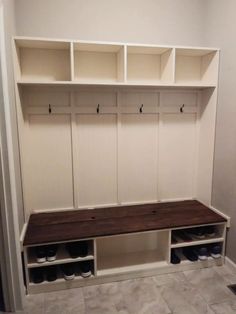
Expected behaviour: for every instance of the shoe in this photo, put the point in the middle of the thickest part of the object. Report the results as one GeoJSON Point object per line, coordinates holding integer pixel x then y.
{"type": "Point", "coordinates": [40, 252]}
{"type": "Point", "coordinates": [37, 275]}
{"type": "Point", "coordinates": [51, 273]}
{"type": "Point", "coordinates": [202, 253]}
{"type": "Point", "coordinates": [51, 252]}
{"type": "Point", "coordinates": [77, 249]}
{"type": "Point", "coordinates": [85, 268]}
{"type": "Point", "coordinates": [210, 231]}
{"type": "Point", "coordinates": [173, 239]}
{"type": "Point", "coordinates": [189, 253]}
{"type": "Point", "coordinates": [184, 236]}
{"type": "Point", "coordinates": [174, 259]}
{"type": "Point", "coordinates": [68, 271]}
{"type": "Point", "coordinates": [215, 251]}
{"type": "Point", "coordinates": [197, 233]}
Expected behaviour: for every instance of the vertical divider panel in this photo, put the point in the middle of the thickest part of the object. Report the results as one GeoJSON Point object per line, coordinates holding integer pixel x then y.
{"type": "Point", "coordinates": [121, 73]}
{"type": "Point", "coordinates": [75, 160]}
{"type": "Point", "coordinates": [174, 65]}
{"type": "Point", "coordinates": [125, 63]}
{"type": "Point", "coordinates": [167, 66]}
{"type": "Point", "coordinates": [118, 150]}
{"type": "Point", "coordinates": [72, 62]}
{"type": "Point", "coordinates": [95, 256]}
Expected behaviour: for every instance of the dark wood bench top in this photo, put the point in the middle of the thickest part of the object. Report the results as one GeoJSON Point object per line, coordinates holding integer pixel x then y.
{"type": "Point", "coordinates": [89, 223]}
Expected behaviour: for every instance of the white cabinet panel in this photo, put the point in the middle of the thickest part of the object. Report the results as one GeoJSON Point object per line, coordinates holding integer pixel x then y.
{"type": "Point", "coordinates": [48, 163]}
{"type": "Point", "coordinates": [179, 98]}
{"type": "Point", "coordinates": [177, 156]}
{"type": "Point", "coordinates": [138, 158]}
{"type": "Point", "coordinates": [97, 159]}
{"type": "Point", "coordinates": [93, 98]}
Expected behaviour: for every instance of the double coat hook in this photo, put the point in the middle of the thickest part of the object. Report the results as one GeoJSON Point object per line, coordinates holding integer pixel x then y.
{"type": "Point", "coordinates": [181, 108]}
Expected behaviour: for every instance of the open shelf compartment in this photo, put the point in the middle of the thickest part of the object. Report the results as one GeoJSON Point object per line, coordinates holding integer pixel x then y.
{"type": "Point", "coordinates": [218, 236]}
{"type": "Point", "coordinates": [60, 277]}
{"type": "Point", "coordinates": [133, 252]}
{"type": "Point", "coordinates": [196, 66]}
{"type": "Point", "coordinates": [150, 65]}
{"type": "Point", "coordinates": [99, 63]}
{"type": "Point", "coordinates": [62, 256]}
{"type": "Point", "coordinates": [42, 61]}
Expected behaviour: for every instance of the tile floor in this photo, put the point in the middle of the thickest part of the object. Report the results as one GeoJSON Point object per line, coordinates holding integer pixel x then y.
{"type": "Point", "coordinates": [191, 292]}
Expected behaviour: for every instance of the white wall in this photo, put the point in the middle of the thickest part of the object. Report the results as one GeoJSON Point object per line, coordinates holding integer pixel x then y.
{"type": "Point", "coordinates": [220, 31]}
{"type": "Point", "coordinates": [145, 21]}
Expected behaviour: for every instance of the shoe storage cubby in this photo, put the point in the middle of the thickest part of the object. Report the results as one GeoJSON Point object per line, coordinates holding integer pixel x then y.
{"type": "Point", "coordinates": [62, 255]}
{"type": "Point", "coordinates": [198, 235]}
{"type": "Point", "coordinates": [127, 253]}
{"type": "Point", "coordinates": [73, 260]}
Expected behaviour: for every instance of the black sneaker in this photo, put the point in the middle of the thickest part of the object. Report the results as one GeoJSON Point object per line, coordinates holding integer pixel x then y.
{"type": "Point", "coordinates": [37, 275]}
{"type": "Point", "coordinates": [215, 251]}
{"type": "Point", "coordinates": [189, 253]}
{"type": "Point", "coordinates": [51, 273]}
{"type": "Point", "coordinates": [174, 258]}
{"type": "Point", "coordinates": [202, 253]}
{"type": "Point", "coordinates": [68, 271]}
{"type": "Point", "coordinates": [197, 233]}
{"type": "Point", "coordinates": [184, 236]}
{"type": "Point", "coordinates": [210, 231]}
{"type": "Point", "coordinates": [51, 252]}
{"type": "Point", "coordinates": [85, 268]}
{"type": "Point", "coordinates": [77, 249]}
{"type": "Point", "coordinates": [40, 252]}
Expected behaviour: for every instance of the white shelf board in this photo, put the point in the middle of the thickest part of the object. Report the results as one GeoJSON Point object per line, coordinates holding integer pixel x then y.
{"type": "Point", "coordinates": [59, 281]}
{"type": "Point", "coordinates": [114, 83]}
{"type": "Point", "coordinates": [63, 257]}
{"type": "Point", "coordinates": [197, 242]}
{"type": "Point", "coordinates": [128, 262]}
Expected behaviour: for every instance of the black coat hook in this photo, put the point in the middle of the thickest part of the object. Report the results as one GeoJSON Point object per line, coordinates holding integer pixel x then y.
{"type": "Point", "coordinates": [181, 108]}
{"type": "Point", "coordinates": [98, 108]}
{"type": "Point", "coordinates": [141, 109]}
{"type": "Point", "coordinates": [49, 109]}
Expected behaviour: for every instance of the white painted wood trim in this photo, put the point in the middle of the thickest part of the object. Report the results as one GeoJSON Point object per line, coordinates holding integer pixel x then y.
{"type": "Point", "coordinates": [222, 214]}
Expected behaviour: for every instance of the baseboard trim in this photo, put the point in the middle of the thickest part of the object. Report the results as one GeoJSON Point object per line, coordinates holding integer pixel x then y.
{"type": "Point", "coordinates": [230, 263]}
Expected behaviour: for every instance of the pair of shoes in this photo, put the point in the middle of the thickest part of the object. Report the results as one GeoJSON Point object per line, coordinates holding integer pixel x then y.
{"type": "Point", "coordinates": [182, 235]}
{"type": "Point", "coordinates": [77, 249]}
{"type": "Point", "coordinates": [46, 253]}
{"type": "Point", "coordinates": [190, 254]}
{"type": "Point", "coordinates": [202, 252]}
{"type": "Point", "coordinates": [201, 232]}
{"type": "Point", "coordinates": [213, 250]}
{"type": "Point", "coordinates": [69, 270]}
{"type": "Point", "coordinates": [40, 274]}
{"type": "Point", "coordinates": [174, 259]}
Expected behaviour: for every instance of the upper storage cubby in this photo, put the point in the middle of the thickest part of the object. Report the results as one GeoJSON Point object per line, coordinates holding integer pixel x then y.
{"type": "Point", "coordinates": [42, 60]}
{"type": "Point", "coordinates": [196, 66]}
{"type": "Point", "coordinates": [150, 65]}
{"type": "Point", "coordinates": [99, 63]}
